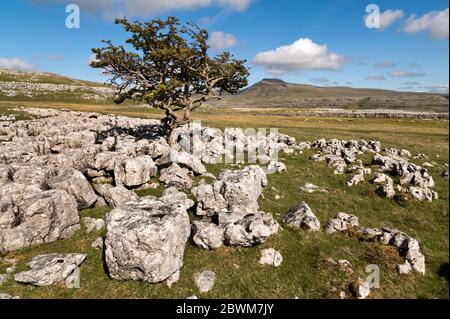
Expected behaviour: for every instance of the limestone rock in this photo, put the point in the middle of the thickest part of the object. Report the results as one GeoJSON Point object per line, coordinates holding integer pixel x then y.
{"type": "Point", "coordinates": [271, 257]}
{"type": "Point", "coordinates": [146, 239]}
{"type": "Point", "coordinates": [134, 171]}
{"type": "Point", "coordinates": [93, 224]}
{"type": "Point", "coordinates": [75, 184]}
{"type": "Point", "coordinates": [207, 235]}
{"type": "Point", "coordinates": [311, 188]}
{"type": "Point", "coordinates": [251, 230]}
{"type": "Point", "coordinates": [360, 289]}
{"type": "Point", "coordinates": [49, 269]}
{"type": "Point", "coordinates": [205, 280]}
{"type": "Point", "coordinates": [98, 243]}
{"type": "Point", "coordinates": [341, 223]}
{"type": "Point", "coordinates": [176, 176]}
{"type": "Point", "coordinates": [30, 217]}
{"type": "Point", "coordinates": [301, 216]}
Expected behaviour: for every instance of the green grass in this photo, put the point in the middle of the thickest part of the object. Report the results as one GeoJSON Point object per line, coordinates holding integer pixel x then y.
{"type": "Point", "coordinates": [303, 272]}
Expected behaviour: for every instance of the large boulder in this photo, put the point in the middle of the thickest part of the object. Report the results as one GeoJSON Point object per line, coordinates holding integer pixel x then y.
{"type": "Point", "coordinates": [209, 199]}
{"type": "Point", "coordinates": [176, 176]}
{"type": "Point", "coordinates": [207, 235]}
{"type": "Point", "coordinates": [29, 216]}
{"type": "Point", "coordinates": [115, 196]}
{"type": "Point", "coordinates": [32, 175]}
{"type": "Point", "coordinates": [251, 230]}
{"type": "Point", "coordinates": [51, 269]}
{"type": "Point", "coordinates": [146, 239]}
{"type": "Point", "coordinates": [183, 159]}
{"type": "Point", "coordinates": [75, 184]}
{"type": "Point", "coordinates": [241, 190]}
{"type": "Point", "coordinates": [134, 171]}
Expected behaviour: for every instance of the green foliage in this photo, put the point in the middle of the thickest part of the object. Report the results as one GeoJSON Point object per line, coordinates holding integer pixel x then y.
{"type": "Point", "coordinates": [169, 68]}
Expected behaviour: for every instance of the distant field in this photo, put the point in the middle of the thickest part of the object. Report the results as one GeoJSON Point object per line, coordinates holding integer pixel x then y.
{"type": "Point", "coordinates": [303, 273]}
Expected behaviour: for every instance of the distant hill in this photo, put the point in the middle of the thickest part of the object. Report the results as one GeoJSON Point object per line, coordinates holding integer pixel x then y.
{"type": "Point", "coordinates": [275, 93]}
{"type": "Point", "coordinates": [38, 86]}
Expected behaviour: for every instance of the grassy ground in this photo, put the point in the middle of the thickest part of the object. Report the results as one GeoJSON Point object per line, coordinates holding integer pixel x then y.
{"type": "Point", "coordinates": [303, 272]}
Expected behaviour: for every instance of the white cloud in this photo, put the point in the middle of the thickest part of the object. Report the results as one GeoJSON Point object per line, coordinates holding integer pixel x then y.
{"type": "Point", "coordinates": [143, 8]}
{"type": "Point", "coordinates": [441, 88]}
{"type": "Point", "coordinates": [303, 54]}
{"type": "Point", "coordinates": [388, 17]}
{"type": "Point", "coordinates": [406, 74]}
{"type": "Point", "coordinates": [220, 40]}
{"type": "Point", "coordinates": [376, 78]}
{"type": "Point", "coordinates": [236, 5]}
{"type": "Point", "coordinates": [91, 59]}
{"type": "Point", "coordinates": [16, 64]}
{"type": "Point", "coordinates": [434, 22]}
{"type": "Point", "coordinates": [385, 64]}
{"type": "Point", "coordinates": [320, 80]}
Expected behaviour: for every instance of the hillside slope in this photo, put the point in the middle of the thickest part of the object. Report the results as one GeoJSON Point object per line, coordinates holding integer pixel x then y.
{"type": "Point", "coordinates": [35, 86]}
{"type": "Point", "coordinates": [277, 93]}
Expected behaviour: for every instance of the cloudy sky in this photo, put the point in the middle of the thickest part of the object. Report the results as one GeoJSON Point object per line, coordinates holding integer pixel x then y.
{"type": "Point", "coordinates": [322, 42]}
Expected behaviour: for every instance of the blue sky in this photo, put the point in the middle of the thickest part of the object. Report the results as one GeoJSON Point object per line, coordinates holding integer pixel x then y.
{"type": "Point", "coordinates": [322, 42]}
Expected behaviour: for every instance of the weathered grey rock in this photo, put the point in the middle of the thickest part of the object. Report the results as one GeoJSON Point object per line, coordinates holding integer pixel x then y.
{"type": "Point", "coordinates": [407, 246]}
{"type": "Point", "coordinates": [207, 235]}
{"type": "Point", "coordinates": [50, 269]}
{"type": "Point", "coordinates": [276, 167]}
{"type": "Point", "coordinates": [93, 224]}
{"type": "Point", "coordinates": [11, 269]}
{"type": "Point", "coordinates": [3, 278]}
{"type": "Point", "coordinates": [8, 296]}
{"type": "Point", "coordinates": [189, 161]}
{"type": "Point", "coordinates": [271, 257]}
{"type": "Point", "coordinates": [370, 233]}
{"type": "Point", "coordinates": [209, 199]}
{"type": "Point", "coordinates": [119, 195]}
{"type": "Point", "coordinates": [172, 196]}
{"type": "Point", "coordinates": [32, 175]}
{"type": "Point", "coordinates": [341, 223]}
{"type": "Point", "coordinates": [360, 289]}
{"type": "Point", "coordinates": [98, 243]}
{"type": "Point", "coordinates": [311, 188]}
{"type": "Point", "coordinates": [146, 239]}
{"type": "Point", "coordinates": [176, 176]}
{"type": "Point", "coordinates": [404, 269]}
{"type": "Point", "coordinates": [134, 171]}
{"type": "Point", "coordinates": [251, 230]}
{"type": "Point", "coordinates": [100, 202]}
{"type": "Point", "coordinates": [158, 148]}
{"type": "Point", "coordinates": [240, 190]}
{"type": "Point", "coordinates": [29, 216]}
{"type": "Point", "coordinates": [355, 179]}
{"type": "Point", "coordinates": [386, 185]}
{"type": "Point", "coordinates": [301, 216]}
{"type": "Point", "coordinates": [173, 279]}
{"type": "Point", "coordinates": [75, 184]}
{"type": "Point", "coordinates": [423, 193]}
{"type": "Point", "coordinates": [205, 280]}
{"type": "Point", "coordinates": [6, 175]}
{"type": "Point", "coordinates": [115, 196]}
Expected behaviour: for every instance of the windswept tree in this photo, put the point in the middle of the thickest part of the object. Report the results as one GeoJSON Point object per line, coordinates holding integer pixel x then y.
{"type": "Point", "coordinates": [167, 66]}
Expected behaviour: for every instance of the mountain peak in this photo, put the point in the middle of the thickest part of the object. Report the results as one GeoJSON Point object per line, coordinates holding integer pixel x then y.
{"type": "Point", "coordinates": [273, 80]}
